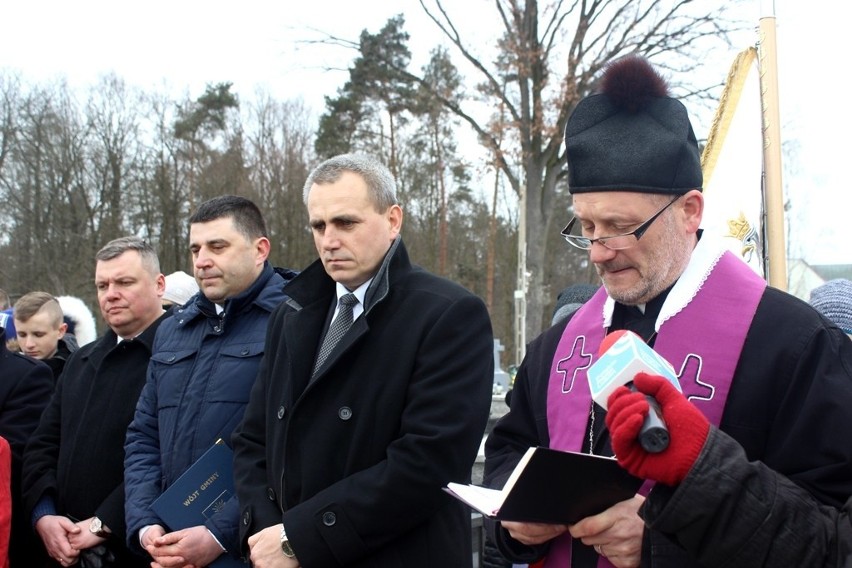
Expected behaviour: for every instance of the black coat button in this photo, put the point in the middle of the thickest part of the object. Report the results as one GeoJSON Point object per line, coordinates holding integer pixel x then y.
{"type": "Point", "coordinates": [270, 492]}
{"type": "Point", "coordinates": [281, 412]}
{"type": "Point", "coordinates": [344, 413]}
{"type": "Point", "coordinates": [329, 519]}
{"type": "Point", "coordinates": [246, 518]}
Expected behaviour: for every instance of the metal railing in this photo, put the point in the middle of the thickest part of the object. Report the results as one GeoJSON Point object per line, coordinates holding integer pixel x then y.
{"type": "Point", "coordinates": [477, 535]}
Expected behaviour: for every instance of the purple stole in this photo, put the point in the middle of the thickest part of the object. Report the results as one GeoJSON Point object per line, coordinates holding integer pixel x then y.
{"type": "Point", "coordinates": [702, 340]}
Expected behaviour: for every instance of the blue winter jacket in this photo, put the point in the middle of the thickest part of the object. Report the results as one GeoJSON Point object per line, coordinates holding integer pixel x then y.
{"type": "Point", "coordinates": [199, 379]}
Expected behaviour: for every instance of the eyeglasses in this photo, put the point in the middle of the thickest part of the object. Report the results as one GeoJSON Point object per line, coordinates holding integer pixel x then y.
{"type": "Point", "coordinates": [615, 242]}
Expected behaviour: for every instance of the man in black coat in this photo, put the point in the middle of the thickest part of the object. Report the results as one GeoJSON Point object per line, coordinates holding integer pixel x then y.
{"type": "Point", "coordinates": [344, 448]}
{"type": "Point", "coordinates": [74, 464]}
{"type": "Point", "coordinates": [25, 390]}
{"type": "Point", "coordinates": [760, 365]}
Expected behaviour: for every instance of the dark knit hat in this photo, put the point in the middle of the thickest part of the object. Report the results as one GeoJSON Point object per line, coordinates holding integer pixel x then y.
{"type": "Point", "coordinates": [571, 299]}
{"type": "Point", "coordinates": [834, 300]}
{"type": "Point", "coordinates": [632, 136]}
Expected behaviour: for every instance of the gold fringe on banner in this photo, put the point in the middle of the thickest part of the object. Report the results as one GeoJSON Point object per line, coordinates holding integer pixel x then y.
{"type": "Point", "coordinates": [725, 111]}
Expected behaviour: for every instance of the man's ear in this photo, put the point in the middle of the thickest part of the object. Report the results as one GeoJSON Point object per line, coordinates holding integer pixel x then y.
{"type": "Point", "coordinates": [161, 285]}
{"type": "Point", "coordinates": [262, 246]}
{"type": "Point", "coordinates": [693, 210]}
{"type": "Point", "coordinates": [394, 216]}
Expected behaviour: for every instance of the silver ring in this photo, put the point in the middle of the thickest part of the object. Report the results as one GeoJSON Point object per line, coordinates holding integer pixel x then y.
{"type": "Point", "coordinates": [599, 550]}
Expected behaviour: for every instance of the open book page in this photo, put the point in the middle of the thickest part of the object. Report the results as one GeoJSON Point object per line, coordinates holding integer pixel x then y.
{"type": "Point", "coordinates": [553, 486]}
{"type": "Point", "coordinates": [486, 501]}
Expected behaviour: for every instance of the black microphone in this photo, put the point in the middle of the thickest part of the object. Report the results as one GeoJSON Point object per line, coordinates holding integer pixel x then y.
{"type": "Point", "coordinates": [621, 356]}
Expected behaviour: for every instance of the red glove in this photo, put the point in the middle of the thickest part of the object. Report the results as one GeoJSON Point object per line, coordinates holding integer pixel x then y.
{"type": "Point", "coordinates": [688, 430]}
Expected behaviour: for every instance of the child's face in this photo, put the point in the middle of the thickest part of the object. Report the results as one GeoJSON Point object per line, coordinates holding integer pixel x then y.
{"type": "Point", "coordinates": [38, 336]}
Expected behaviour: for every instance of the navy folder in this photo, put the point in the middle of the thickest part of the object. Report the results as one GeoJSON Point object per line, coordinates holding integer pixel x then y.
{"type": "Point", "coordinates": [200, 492]}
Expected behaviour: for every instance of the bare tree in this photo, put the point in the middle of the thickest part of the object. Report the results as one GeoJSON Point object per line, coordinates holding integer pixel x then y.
{"type": "Point", "coordinates": [10, 99]}
{"type": "Point", "coordinates": [547, 62]}
{"type": "Point", "coordinates": [163, 200]}
{"type": "Point", "coordinates": [53, 215]}
{"type": "Point", "coordinates": [75, 174]}
{"type": "Point", "coordinates": [10, 94]}
{"type": "Point", "coordinates": [114, 154]}
{"type": "Point", "coordinates": [279, 153]}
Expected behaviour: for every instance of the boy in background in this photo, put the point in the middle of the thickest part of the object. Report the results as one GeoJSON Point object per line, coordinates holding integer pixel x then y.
{"type": "Point", "coordinates": [41, 330]}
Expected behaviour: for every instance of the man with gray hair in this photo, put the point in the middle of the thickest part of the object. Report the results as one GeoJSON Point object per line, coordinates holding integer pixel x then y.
{"type": "Point", "coordinates": [74, 463]}
{"type": "Point", "coordinates": [753, 363]}
{"type": "Point", "coordinates": [374, 394]}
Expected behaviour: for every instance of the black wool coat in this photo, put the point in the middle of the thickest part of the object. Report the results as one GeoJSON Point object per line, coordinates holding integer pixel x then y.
{"type": "Point", "coordinates": [76, 454]}
{"type": "Point", "coordinates": [788, 408]}
{"type": "Point", "coordinates": [354, 462]}
{"type": "Point", "coordinates": [25, 388]}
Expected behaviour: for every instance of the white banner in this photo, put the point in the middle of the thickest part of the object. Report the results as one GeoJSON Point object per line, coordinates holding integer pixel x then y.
{"type": "Point", "coordinates": [732, 163]}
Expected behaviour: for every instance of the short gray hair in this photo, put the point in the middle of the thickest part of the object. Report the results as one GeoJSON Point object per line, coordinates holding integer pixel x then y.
{"type": "Point", "coordinates": [118, 247]}
{"type": "Point", "coordinates": [380, 181]}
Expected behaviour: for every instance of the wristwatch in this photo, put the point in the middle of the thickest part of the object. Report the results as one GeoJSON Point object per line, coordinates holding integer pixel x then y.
{"type": "Point", "coordinates": [285, 545]}
{"type": "Point", "coordinates": [96, 527]}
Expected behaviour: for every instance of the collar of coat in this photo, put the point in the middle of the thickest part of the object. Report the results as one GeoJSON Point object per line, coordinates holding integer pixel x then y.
{"type": "Point", "coordinates": [260, 293]}
{"type": "Point", "coordinates": [99, 349]}
{"type": "Point", "coordinates": [314, 283]}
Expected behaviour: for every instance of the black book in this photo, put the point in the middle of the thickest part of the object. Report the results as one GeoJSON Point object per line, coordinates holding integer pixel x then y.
{"type": "Point", "coordinates": [552, 486]}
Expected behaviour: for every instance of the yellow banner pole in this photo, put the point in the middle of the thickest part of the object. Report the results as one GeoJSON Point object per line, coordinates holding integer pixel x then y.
{"type": "Point", "coordinates": [776, 261]}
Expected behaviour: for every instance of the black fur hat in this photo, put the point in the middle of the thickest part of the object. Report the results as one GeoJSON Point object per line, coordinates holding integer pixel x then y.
{"type": "Point", "coordinates": [632, 136]}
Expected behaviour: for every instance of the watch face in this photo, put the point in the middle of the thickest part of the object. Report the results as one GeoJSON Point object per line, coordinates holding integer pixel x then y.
{"type": "Point", "coordinates": [285, 544]}
{"type": "Point", "coordinates": [96, 526]}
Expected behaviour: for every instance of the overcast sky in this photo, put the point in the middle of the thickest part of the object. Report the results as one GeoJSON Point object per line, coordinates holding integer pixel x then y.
{"type": "Point", "coordinates": [182, 45]}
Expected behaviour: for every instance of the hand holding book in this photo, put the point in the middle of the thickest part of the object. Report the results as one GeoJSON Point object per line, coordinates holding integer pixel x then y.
{"type": "Point", "coordinates": [200, 492]}
{"type": "Point", "coordinates": [552, 486]}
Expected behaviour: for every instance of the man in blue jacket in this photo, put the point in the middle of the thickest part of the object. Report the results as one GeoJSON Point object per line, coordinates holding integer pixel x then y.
{"type": "Point", "coordinates": [204, 363]}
